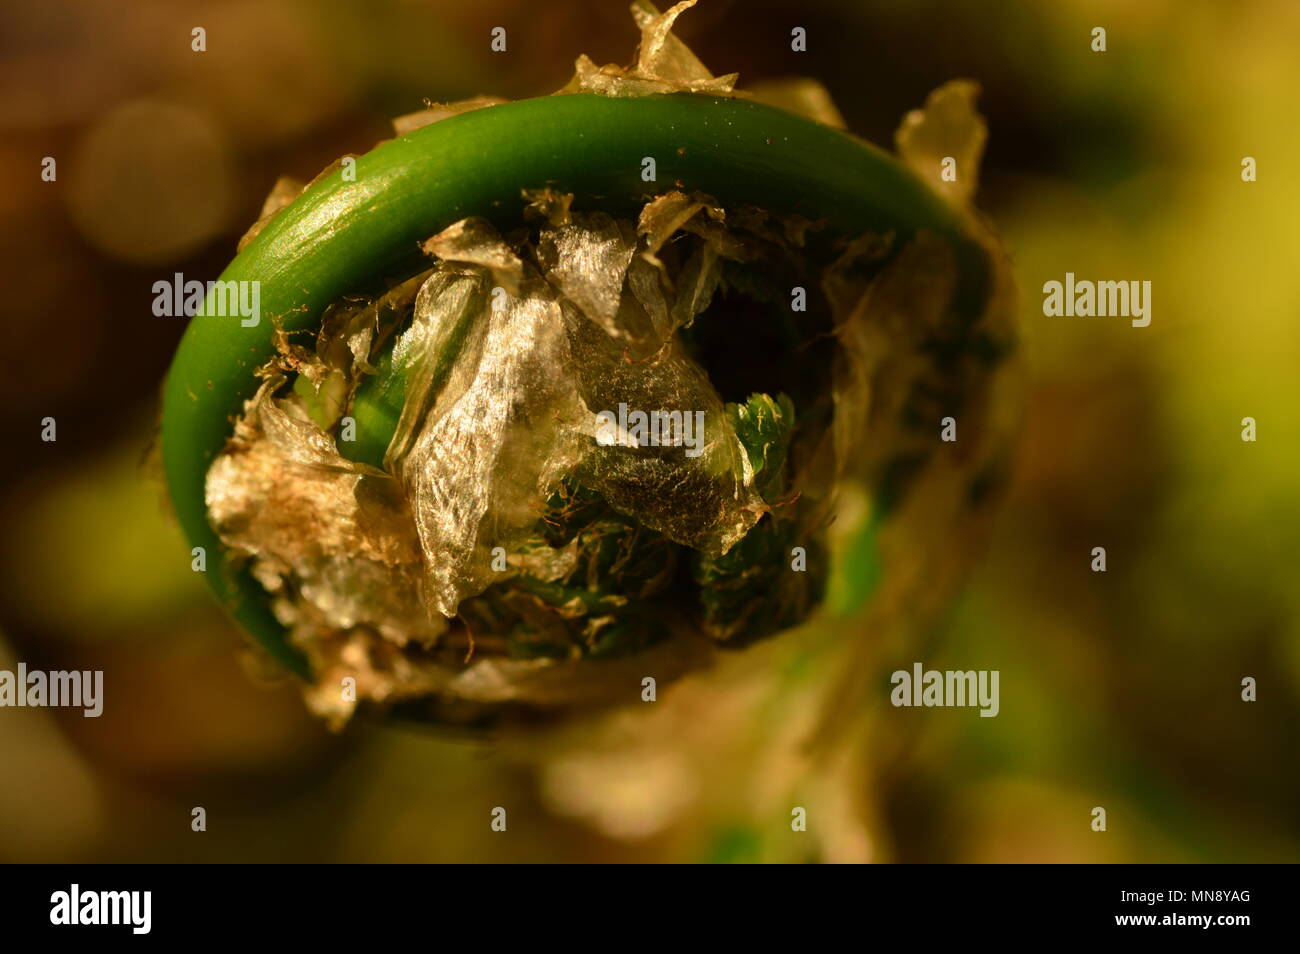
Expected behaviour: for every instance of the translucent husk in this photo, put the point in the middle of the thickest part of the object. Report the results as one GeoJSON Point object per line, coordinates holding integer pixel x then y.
{"type": "Point", "coordinates": [511, 352]}
{"type": "Point", "coordinates": [664, 64]}
{"type": "Point", "coordinates": [333, 540]}
{"type": "Point", "coordinates": [601, 301]}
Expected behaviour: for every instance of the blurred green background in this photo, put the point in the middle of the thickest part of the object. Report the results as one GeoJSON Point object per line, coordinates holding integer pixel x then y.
{"type": "Point", "coordinates": [1119, 689]}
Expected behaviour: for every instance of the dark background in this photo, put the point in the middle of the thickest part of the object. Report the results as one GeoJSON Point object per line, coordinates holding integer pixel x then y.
{"type": "Point", "coordinates": [1119, 689]}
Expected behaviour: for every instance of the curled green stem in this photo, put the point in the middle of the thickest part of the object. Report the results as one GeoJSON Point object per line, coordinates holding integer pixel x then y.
{"type": "Point", "coordinates": [342, 235]}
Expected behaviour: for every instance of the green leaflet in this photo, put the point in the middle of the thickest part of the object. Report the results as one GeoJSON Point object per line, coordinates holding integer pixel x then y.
{"type": "Point", "coordinates": [597, 606]}
{"type": "Point", "coordinates": [751, 591]}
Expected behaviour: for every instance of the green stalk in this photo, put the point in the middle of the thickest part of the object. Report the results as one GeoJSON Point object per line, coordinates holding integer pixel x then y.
{"type": "Point", "coordinates": [339, 236]}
